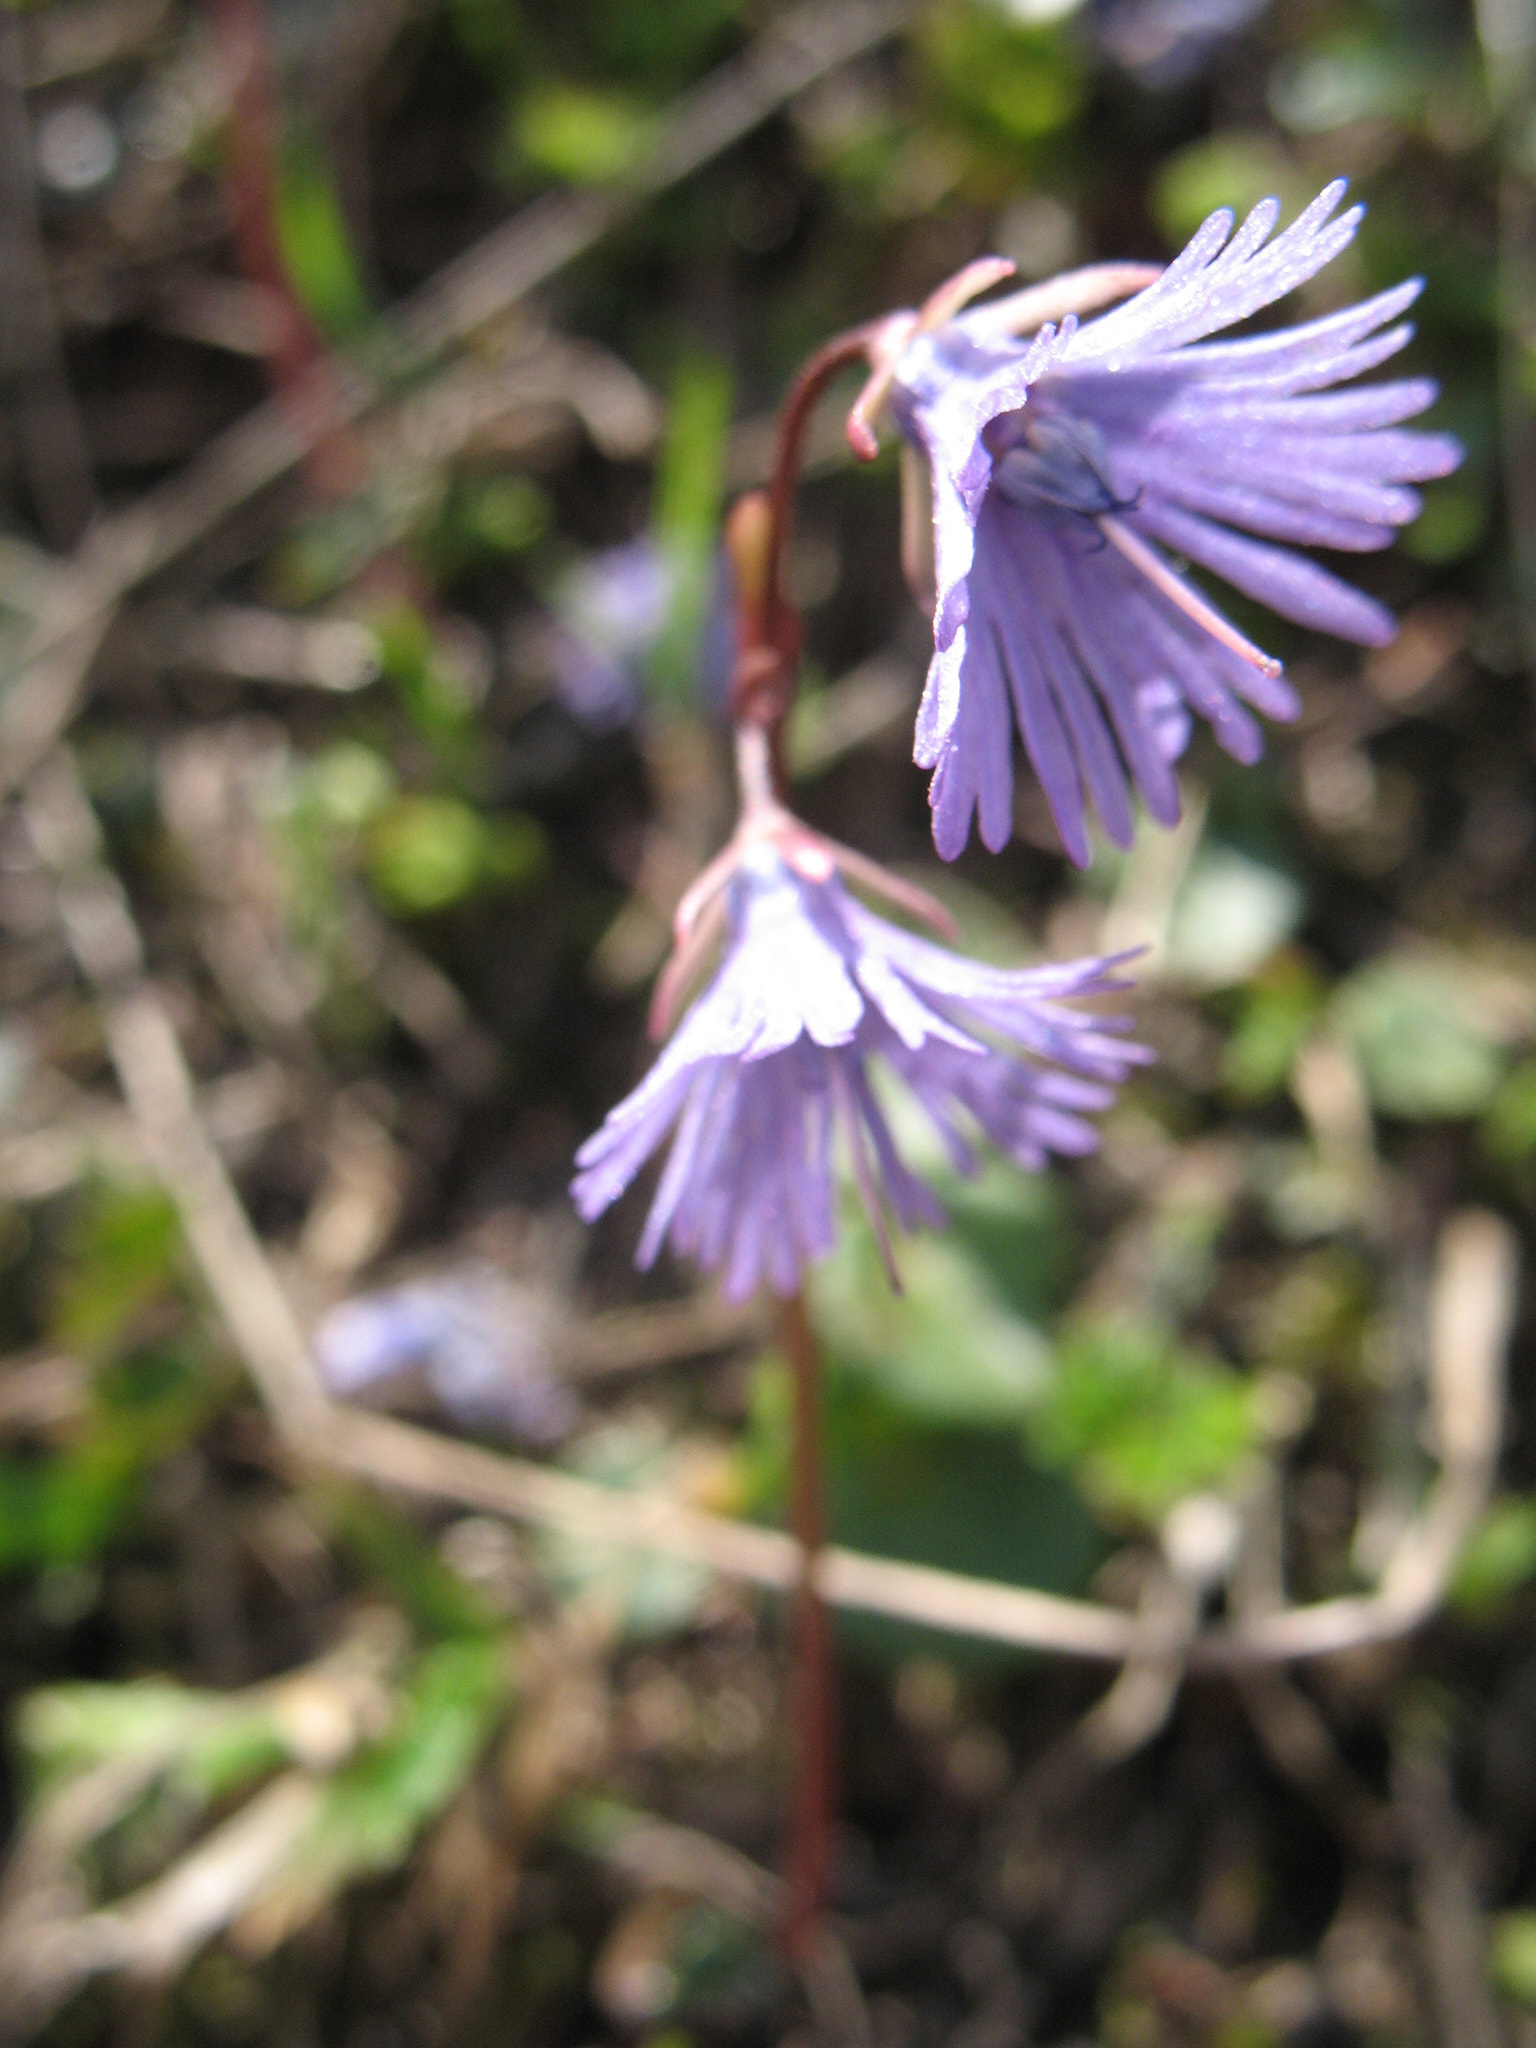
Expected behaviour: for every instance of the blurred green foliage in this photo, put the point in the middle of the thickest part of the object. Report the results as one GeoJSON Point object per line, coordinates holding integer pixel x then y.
{"type": "Point", "coordinates": [1141, 1420]}
{"type": "Point", "coordinates": [120, 1256]}
{"type": "Point", "coordinates": [690, 492]}
{"type": "Point", "coordinates": [1424, 1045]}
{"type": "Point", "coordinates": [315, 243]}
{"type": "Point", "coordinates": [375, 1806]}
{"type": "Point", "coordinates": [1058, 1370]}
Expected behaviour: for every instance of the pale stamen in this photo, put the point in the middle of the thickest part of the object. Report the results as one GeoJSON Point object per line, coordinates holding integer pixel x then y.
{"type": "Point", "coordinates": [942, 305]}
{"type": "Point", "coordinates": [705, 886]}
{"type": "Point", "coordinates": [866, 408]}
{"type": "Point", "coordinates": [1075, 291]}
{"type": "Point", "coordinates": [939, 307]}
{"type": "Point", "coordinates": [686, 959]}
{"type": "Point", "coordinates": [1184, 595]}
{"type": "Point", "coordinates": [907, 896]}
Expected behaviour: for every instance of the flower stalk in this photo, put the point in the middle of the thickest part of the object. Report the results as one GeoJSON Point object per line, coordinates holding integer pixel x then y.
{"type": "Point", "coordinates": [762, 693]}
{"type": "Point", "coordinates": [813, 1801]}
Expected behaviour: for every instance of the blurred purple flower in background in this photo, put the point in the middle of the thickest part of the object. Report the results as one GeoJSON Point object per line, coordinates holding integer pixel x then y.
{"type": "Point", "coordinates": [1064, 465]}
{"type": "Point", "coordinates": [1167, 42]}
{"type": "Point", "coordinates": [774, 1057]}
{"type": "Point", "coordinates": [481, 1343]}
{"type": "Point", "coordinates": [611, 612]}
{"type": "Point", "coordinates": [612, 609]}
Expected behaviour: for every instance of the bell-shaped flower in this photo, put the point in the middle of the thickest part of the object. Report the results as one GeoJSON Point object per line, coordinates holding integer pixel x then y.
{"type": "Point", "coordinates": [773, 1062]}
{"type": "Point", "coordinates": [1070, 469]}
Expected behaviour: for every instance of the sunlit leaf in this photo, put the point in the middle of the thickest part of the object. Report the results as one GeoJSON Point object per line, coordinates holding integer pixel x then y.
{"type": "Point", "coordinates": [1231, 914]}
{"type": "Point", "coordinates": [1320, 90]}
{"type": "Point", "coordinates": [315, 241]}
{"type": "Point", "coordinates": [1512, 1955]}
{"type": "Point", "coordinates": [1009, 81]}
{"type": "Point", "coordinates": [351, 783]}
{"type": "Point", "coordinates": [1422, 1044]}
{"type": "Point", "coordinates": [1235, 168]}
{"type": "Point", "coordinates": [428, 852]}
{"type": "Point", "coordinates": [1139, 1420]}
{"type": "Point", "coordinates": [580, 133]}
{"type": "Point", "coordinates": [1499, 1557]}
{"type": "Point", "coordinates": [945, 1349]}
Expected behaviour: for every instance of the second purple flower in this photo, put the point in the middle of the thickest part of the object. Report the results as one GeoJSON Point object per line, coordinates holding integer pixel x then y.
{"type": "Point", "coordinates": [774, 1058]}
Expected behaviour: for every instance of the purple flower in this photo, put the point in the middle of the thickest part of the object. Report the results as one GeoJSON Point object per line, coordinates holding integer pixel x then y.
{"type": "Point", "coordinates": [611, 613]}
{"type": "Point", "coordinates": [482, 1344]}
{"type": "Point", "coordinates": [774, 1057]}
{"type": "Point", "coordinates": [613, 608]}
{"type": "Point", "coordinates": [1065, 465]}
{"type": "Point", "coordinates": [1167, 42]}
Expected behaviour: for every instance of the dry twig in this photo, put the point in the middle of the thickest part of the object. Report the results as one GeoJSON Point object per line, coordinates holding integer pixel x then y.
{"type": "Point", "coordinates": [1472, 1307]}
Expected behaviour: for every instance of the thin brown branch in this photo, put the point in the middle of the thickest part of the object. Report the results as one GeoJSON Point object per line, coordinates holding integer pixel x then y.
{"type": "Point", "coordinates": [1471, 1311]}
{"type": "Point", "coordinates": [813, 1803]}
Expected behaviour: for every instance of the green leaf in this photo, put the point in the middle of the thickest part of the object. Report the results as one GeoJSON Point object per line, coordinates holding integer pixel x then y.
{"type": "Point", "coordinates": [1423, 1046]}
{"type": "Point", "coordinates": [374, 1808]}
{"type": "Point", "coordinates": [1015, 1226]}
{"type": "Point", "coordinates": [486, 518]}
{"type": "Point", "coordinates": [210, 1744]}
{"type": "Point", "coordinates": [1512, 1955]}
{"type": "Point", "coordinates": [120, 1256]}
{"type": "Point", "coordinates": [945, 1349]}
{"type": "Point", "coordinates": [350, 784]}
{"type": "Point", "coordinates": [902, 1485]}
{"type": "Point", "coordinates": [65, 1507]}
{"type": "Point", "coordinates": [1230, 915]}
{"type": "Point", "coordinates": [428, 852]}
{"type": "Point", "coordinates": [690, 491]}
{"type": "Point", "coordinates": [581, 133]}
{"type": "Point", "coordinates": [1140, 1421]}
{"type": "Point", "coordinates": [1349, 80]}
{"type": "Point", "coordinates": [315, 243]}
{"type": "Point", "coordinates": [1509, 1127]}
{"type": "Point", "coordinates": [393, 1552]}
{"type": "Point", "coordinates": [648, 1595]}
{"type": "Point", "coordinates": [1276, 1015]}
{"type": "Point", "coordinates": [1009, 82]}
{"type": "Point", "coordinates": [432, 689]}
{"type": "Point", "coordinates": [1235, 168]}
{"type": "Point", "coordinates": [1451, 525]}
{"type": "Point", "coordinates": [1499, 1557]}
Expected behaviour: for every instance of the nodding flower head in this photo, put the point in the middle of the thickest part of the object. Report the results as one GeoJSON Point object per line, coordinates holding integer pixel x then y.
{"type": "Point", "coordinates": [1068, 467]}
{"type": "Point", "coordinates": [773, 1062]}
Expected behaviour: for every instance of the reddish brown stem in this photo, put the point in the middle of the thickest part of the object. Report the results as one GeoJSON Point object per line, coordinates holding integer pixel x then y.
{"type": "Point", "coordinates": [297, 360]}
{"type": "Point", "coordinates": [783, 628]}
{"type": "Point", "coordinates": [814, 1798]}
{"type": "Point", "coordinates": [757, 539]}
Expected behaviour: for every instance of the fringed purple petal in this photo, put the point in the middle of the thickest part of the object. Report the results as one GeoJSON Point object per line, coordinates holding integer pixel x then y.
{"type": "Point", "coordinates": [1287, 583]}
{"type": "Point", "coordinates": [747, 1187]}
{"type": "Point", "coordinates": [1231, 452]}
